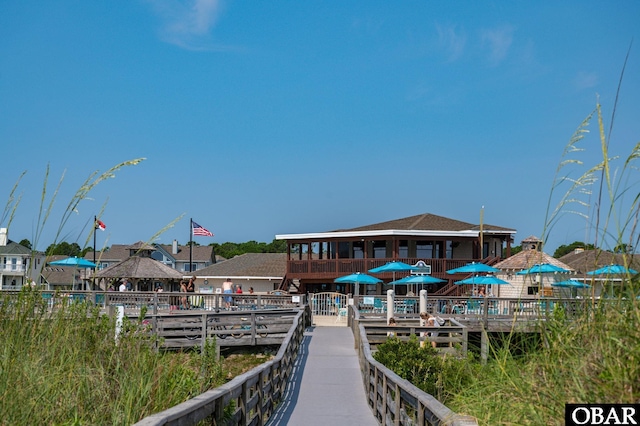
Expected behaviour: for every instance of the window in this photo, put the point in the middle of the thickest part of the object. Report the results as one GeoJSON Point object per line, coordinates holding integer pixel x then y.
{"type": "Point", "coordinates": [532, 290]}
{"type": "Point", "coordinates": [358, 250]}
{"type": "Point", "coordinates": [379, 249]}
{"type": "Point", "coordinates": [403, 249]}
{"type": "Point", "coordinates": [424, 249]}
{"type": "Point", "coordinates": [343, 250]}
{"type": "Point", "coordinates": [449, 249]}
{"type": "Point", "coordinates": [190, 267]}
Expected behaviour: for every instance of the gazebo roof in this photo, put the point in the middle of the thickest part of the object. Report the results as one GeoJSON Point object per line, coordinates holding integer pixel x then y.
{"type": "Point", "coordinates": [527, 258]}
{"type": "Point", "coordinates": [137, 267]}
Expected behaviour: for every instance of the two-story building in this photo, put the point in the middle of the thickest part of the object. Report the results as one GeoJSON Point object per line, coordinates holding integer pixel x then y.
{"type": "Point", "coordinates": [315, 259]}
{"type": "Point", "coordinates": [19, 265]}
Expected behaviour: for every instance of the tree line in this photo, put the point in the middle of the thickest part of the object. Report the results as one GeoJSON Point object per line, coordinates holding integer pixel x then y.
{"type": "Point", "coordinates": [226, 250]}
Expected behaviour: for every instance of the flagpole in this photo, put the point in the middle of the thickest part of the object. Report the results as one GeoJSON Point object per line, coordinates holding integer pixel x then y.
{"type": "Point", "coordinates": [190, 244]}
{"type": "Point", "coordinates": [93, 279]}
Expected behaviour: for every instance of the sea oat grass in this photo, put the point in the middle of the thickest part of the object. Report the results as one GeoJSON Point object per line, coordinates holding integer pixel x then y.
{"type": "Point", "coordinates": [65, 367]}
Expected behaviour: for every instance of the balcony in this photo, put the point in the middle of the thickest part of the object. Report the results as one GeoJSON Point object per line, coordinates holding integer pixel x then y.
{"type": "Point", "coordinates": [329, 269]}
{"type": "Point", "coordinates": [12, 268]}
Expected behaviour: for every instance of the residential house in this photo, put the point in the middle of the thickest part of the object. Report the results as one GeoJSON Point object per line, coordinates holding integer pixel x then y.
{"type": "Point", "coordinates": [18, 264]}
{"type": "Point", "coordinates": [64, 277]}
{"type": "Point", "coordinates": [262, 271]}
{"type": "Point", "coordinates": [183, 258]}
{"type": "Point", "coordinates": [175, 256]}
{"type": "Point", "coordinates": [583, 261]}
{"type": "Point", "coordinates": [315, 259]}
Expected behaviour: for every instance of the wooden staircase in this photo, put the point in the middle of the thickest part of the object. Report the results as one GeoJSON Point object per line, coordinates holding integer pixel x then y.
{"type": "Point", "coordinates": [452, 289]}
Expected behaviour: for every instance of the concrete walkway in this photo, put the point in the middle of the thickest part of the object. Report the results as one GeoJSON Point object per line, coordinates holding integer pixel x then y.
{"type": "Point", "coordinates": [326, 385]}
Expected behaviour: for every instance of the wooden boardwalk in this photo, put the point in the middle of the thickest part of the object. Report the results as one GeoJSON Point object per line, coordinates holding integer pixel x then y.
{"type": "Point", "coordinates": [326, 387]}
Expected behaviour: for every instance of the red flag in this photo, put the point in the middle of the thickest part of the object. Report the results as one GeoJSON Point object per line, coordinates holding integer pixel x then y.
{"type": "Point", "coordinates": [100, 225]}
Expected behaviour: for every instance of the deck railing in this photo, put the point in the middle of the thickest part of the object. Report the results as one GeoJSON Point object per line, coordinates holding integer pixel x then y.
{"type": "Point", "coordinates": [248, 399]}
{"type": "Point", "coordinates": [393, 400]}
{"type": "Point", "coordinates": [164, 302]}
{"type": "Point", "coordinates": [322, 268]}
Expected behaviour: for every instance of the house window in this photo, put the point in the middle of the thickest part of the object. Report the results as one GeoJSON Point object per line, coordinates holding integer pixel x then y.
{"type": "Point", "coordinates": [533, 290]}
{"type": "Point", "coordinates": [190, 267]}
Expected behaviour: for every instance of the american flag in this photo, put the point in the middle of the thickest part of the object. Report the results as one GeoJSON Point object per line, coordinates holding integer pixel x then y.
{"type": "Point", "coordinates": [199, 230]}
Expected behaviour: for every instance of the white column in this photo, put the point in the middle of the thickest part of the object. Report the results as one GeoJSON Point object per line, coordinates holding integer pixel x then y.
{"type": "Point", "coordinates": [390, 304]}
{"type": "Point", "coordinates": [423, 300]}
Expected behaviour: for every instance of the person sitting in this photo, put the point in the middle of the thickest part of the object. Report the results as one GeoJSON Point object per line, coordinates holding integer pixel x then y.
{"type": "Point", "coordinates": [432, 322]}
{"type": "Point", "coordinates": [392, 323]}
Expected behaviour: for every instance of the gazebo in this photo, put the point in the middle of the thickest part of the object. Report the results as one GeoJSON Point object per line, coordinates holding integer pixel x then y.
{"type": "Point", "coordinates": [143, 271]}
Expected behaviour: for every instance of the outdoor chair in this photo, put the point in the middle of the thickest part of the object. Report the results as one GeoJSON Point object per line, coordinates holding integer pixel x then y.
{"type": "Point", "coordinates": [378, 306]}
{"type": "Point", "coordinates": [473, 307]}
{"type": "Point", "coordinates": [342, 314]}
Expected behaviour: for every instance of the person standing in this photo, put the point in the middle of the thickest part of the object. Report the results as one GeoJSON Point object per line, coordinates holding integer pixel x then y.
{"type": "Point", "coordinates": [227, 288]}
{"type": "Point", "coordinates": [184, 303]}
{"type": "Point", "coordinates": [191, 285]}
{"type": "Point", "coordinates": [123, 285]}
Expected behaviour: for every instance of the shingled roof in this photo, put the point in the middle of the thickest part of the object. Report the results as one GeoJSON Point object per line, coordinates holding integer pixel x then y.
{"type": "Point", "coordinates": [590, 260]}
{"type": "Point", "coordinates": [139, 268]}
{"type": "Point", "coordinates": [201, 253]}
{"type": "Point", "coordinates": [248, 265]}
{"type": "Point", "coordinates": [14, 248]}
{"type": "Point", "coordinates": [426, 222]}
{"type": "Point", "coordinates": [527, 258]}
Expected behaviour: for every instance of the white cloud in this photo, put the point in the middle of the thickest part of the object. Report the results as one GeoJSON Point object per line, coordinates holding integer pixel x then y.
{"type": "Point", "coordinates": [498, 41]}
{"type": "Point", "coordinates": [452, 40]}
{"type": "Point", "coordinates": [188, 23]}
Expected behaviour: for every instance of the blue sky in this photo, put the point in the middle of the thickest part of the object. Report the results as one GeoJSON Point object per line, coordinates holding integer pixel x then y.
{"type": "Point", "coordinates": [265, 118]}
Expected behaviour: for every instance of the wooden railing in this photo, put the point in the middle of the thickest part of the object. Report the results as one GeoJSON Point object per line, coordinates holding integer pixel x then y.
{"type": "Point", "coordinates": [248, 399]}
{"type": "Point", "coordinates": [165, 302]}
{"type": "Point", "coordinates": [186, 330]}
{"type": "Point", "coordinates": [325, 268]}
{"type": "Point", "coordinates": [393, 400]}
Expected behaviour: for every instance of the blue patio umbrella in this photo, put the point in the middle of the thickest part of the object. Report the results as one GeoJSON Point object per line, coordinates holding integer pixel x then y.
{"type": "Point", "coordinates": [482, 280]}
{"type": "Point", "coordinates": [417, 279]}
{"type": "Point", "coordinates": [73, 262]}
{"type": "Point", "coordinates": [613, 270]}
{"type": "Point", "coordinates": [473, 268]}
{"type": "Point", "coordinates": [393, 267]}
{"type": "Point", "coordinates": [570, 284]}
{"type": "Point", "coordinates": [357, 279]}
{"type": "Point", "coordinates": [76, 262]}
{"type": "Point", "coordinates": [543, 268]}
{"type": "Point", "coordinates": [487, 280]}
